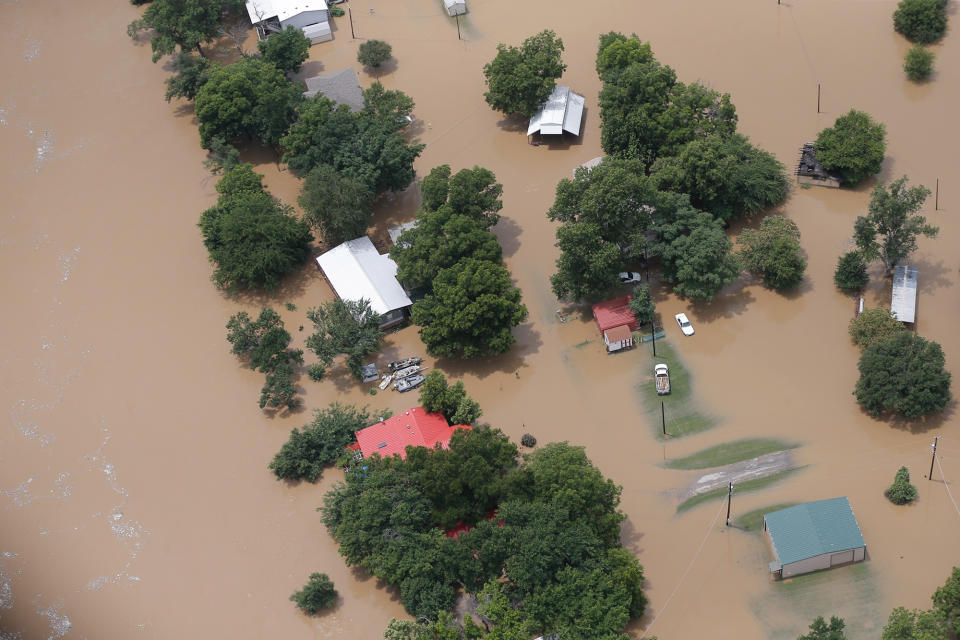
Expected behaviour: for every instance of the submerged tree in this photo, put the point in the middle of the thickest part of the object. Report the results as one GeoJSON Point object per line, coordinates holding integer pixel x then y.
{"type": "Point", "coordinates": [190, 73]}
{"type": "Point", "coordinates": [697, 255]}
{"type": "Point", "coordinates": [642, 305]}
{"type": "Point", "coordinates": [519, 80]}
{"type": "Point", "coordinates": [874, 326]}
{"type": "Point", "coordinates": [183, 24]}
{"type": "Point", "coordinates": [317, 594]}
{"type": "Point", "coordinates": [851, 273]}
{"type": "Point", "coordinates": [918, 63]}
{"type": "Point", "coordinates": [773, 252]}
{"type": "Point", "coordinates": [890, 229]}
{"type": "Point", "coordinates": [373, 53]}
{"type": "Point", "coordinates": [853, 147]}
{"type": "Point", "coordinates": [452, 401]}
{"type": "Point", "coordinates": [903, 375]}
{"type": "Point", "coordinates": [921, 21]}
{"type": "Point", "coordinates": [901, 491]}
{"type": "Point", "coordinates": [347, 327]}
{"type": "Point", "coordinates": [339, 206]}
{"type": "Point", "coordinates": [821, 630]}
{"type": "Point", "coordinates": [286, 50]}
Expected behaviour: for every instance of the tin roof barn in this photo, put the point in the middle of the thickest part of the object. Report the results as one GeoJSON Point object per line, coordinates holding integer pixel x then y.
{"type": "Point", "coordinates": [356, 271]}
{"type": "Point", "coordinates": [813, 536]}
{"type": "Point", "coordinates": [903, 301]}
{"type": "Point", "coordinates": [562, 111]}
{"type": "Point", "coordinates": [455, 7]}
{"type": "Point", "coordinates": [810, 171]}
{"type": "Point", "coordinates": [414, 428]}
{"type": "Point", "coordinates": [271, 16]}
{"type": "Point", "coordinates": [616, 322]}
{"type": "Point", "coordinates": [340, 87]}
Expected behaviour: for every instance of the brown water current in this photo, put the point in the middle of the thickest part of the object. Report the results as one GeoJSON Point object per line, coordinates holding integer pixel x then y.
{"type": "Point", "coordinates": [135, 500]}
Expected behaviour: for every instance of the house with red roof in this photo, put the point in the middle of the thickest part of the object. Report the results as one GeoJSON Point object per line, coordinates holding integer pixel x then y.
{"type": "Point", "coordinates": [413, 427]}
{"type": "Point", "coordinates": [616, 322]}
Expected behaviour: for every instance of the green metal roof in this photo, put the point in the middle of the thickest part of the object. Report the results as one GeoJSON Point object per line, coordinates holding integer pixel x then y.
{"type": "Point", "coordinates": [812, 529]}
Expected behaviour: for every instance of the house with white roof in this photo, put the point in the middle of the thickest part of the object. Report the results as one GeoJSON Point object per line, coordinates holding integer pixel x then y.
{"type": "Point", "coordinates": [455, 7]}
{"type": "Point", "coordinates": [355, 271]}
{"type": "Point", "coordinates": [562, 111]}
{"type": "Point", "coordinates": [271, 16]}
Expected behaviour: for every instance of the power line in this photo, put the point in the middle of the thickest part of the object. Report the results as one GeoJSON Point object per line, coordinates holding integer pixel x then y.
{"type": "Point", "coordinates": [947, 487]}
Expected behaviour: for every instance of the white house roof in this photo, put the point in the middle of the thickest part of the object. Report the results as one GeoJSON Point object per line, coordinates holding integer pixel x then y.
{"type": "Point", "coordinates": [355, 270]}
{"type": "Point", "coordinates": [394, 232]}
{"type": "Point", "coordinates": [561, 112]}
{"type": "Point", "coordinates": [282, 9]}
{"type": "Point", "coordinates": [903, 302]}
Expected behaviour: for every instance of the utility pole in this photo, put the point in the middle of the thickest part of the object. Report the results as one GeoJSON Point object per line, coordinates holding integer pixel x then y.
{"type": "Point", "coordinates": [663, 417]}
{"type": "Point", "coordinates": [933, 448]}
{"type": "Point", "coordinates": [818, 97]}
{"type": "Point", "coordinates": [458, 26]}
{"type": "Point", "coordinates": [936, 200]}
{"type": "Point", "coordinates": [653, 338]}
{"type": "Point", "coordinates": [350, 13]}
{"type": "Point", "coordinates": [729, 500]}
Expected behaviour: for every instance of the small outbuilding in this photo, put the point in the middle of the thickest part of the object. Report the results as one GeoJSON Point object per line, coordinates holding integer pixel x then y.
{"type": "Point", "coordinates": [455, 7]}
{"type": "Point", "coordinates": [411, 428]}
{"type": "Point", "coordinates": [616, 323]}
{"type": "Point", "coordinates": [340, 87]}
{"type": "Point", "coordinates": [562, 112]}
{"type": "Point", "coordinates": [813, 536]}
{"type": "Point", "coordinates": [272, 16]}
{"type": "Point", "coordinates": [810, 171]}
{"type": "Point", "coordinates": [903, 300]}
{"type": "Point", "coordinates": [356, 271]}
{"type": "Point", "coordinates": [588, 165]}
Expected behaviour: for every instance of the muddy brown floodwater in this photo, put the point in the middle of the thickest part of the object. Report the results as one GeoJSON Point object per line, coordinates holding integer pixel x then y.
{"type": "Point", "coordinates": [134, 495]}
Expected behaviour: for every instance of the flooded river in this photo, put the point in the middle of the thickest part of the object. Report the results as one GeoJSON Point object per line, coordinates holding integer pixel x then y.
{"type": "Point", "coordinates": [135, 500]}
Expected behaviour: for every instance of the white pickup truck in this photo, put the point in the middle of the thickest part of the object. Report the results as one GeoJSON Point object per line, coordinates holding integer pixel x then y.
{"type": "Point", "coordinates": [662, 376]}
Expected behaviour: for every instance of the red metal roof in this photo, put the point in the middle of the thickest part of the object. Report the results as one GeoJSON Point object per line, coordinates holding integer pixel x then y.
{"type": "Point", "coordinates": [413, 427]}
{"type": "Point", "coordinates": [614, 313]}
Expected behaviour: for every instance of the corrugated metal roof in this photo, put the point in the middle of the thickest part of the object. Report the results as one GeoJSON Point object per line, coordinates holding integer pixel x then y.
{"type": "Point", "coordinates": [414, 427]}
{"type": "Point", "coordinates": [903, 302]}
{"type": "Point", "coordinates": [283, 9]}
{"type": "Point", "coordinates": [812, 529]}
{"type": "Point", "coordinates": [341, 87]}
{"type": "Point", "coordinates": [614, 313]}
{"type": "Point", "coordinates": [562, 111]}
{"type": "Point", "coordinates": [356, 271]}
{"type": "Point", "coordinates": [395, 232]}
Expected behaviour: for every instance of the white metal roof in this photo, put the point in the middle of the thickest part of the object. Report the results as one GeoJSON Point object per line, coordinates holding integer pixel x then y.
{"type": "Point", "coordinates": [356, 270]}
{"type": "Point", "coordinates": [903, 302]}
{"type": "Point", "coordinates": [394, 232]}
{"type": "Point", "coordinates": [561, 112]}
{"type": "Point", "coordinates": [455, 4]}
{"type": "Point", "coordinates": [283, 9]}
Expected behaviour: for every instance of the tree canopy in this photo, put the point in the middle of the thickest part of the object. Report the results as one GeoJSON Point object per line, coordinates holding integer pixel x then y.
{"type": "Point", "coordinates": [250, 99]}
{"type": "Point", "coordinates": [903, 375]}
{"type": "Point", "coordinates": [452, 401]}
{"type": "Point", "coordinates": [519, 80]}
{"type": "Point", "coordinates": [853, 147]}
{"type": "Point", "coordinates": [697, 255]}
{"type": "Point", "coordinates": [317, 594]}
{"type": "Point", "coordinates": [373, 53]}
{"type": "Point", "coordinates": [946, 602]}
{"type": "Point", "coordinates": [190, 73]}
{"type": "Point", "coordinates": [347, 327]}
{"type": "Point", "coordinates": [773, 252]}
{"type": "Point", "coordinates": [851, 273]}
{"type": "Point", "coordinates": [921, 21]}
{"type": "Point", "coordinates": [904, 624]}
{"type": "Point", "coordinates": [890, 229]}
{"type": "Point", "coordinates": [874, 326]}
{"type": "Point", "coordinates": [264, 343]}
{"type": "Point", "coordinates": [821, 630]}
{"type": "Point", "coordinates": [252, 238]}
{"type": "Point", "coordinates": [338, 206]}
{"type": "Point", "coordinates": [901, 491]}
{"type": "Point", "coordinates": [642, 305]}
{"type": "Point", "coordinates": [183, 24]}
{"type": "Point", "coordinates": [588, 265]}
{"type": "Point", "coordinates": [286, 50]}
{"type": "Point", "coordinates": [918, 63]}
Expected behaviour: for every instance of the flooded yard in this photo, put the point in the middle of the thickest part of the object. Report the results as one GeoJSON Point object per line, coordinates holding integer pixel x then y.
{"type": "Point", "coordinates": [135, 499]}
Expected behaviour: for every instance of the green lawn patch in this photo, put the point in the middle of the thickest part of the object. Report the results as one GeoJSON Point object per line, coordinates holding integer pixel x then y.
{"type": "Point", "coordinates": [753, 520]}
{"type": "Point", "coordinates": [749, 485]}
{"type": "Point", "coordinates": [683, 415]}
{"type": "Point", "coordinates": [730, 452]}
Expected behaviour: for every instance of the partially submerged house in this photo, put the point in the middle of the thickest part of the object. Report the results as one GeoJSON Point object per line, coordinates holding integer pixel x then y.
{"type": "Point", "coordinates": [272, 16]}
{"type": "Point", "coordinates": [340, 87]}
{"type": "Point", "coordinates": [903, 300]}
{"type": "Point", "coordinates": [813, 536]}
{"type": "Point", "coordinates": [562, 112]}
{"type": "Point", "coordinates": [413, 427]}
{"type": "Point", "coordinates": [355, 271]}
{"type": "Point", "coordinates": [810, 171]}
{"type": "Point", "coordinates": [455, 7]}
{"type": "Point", "coordinates": [616, 322]}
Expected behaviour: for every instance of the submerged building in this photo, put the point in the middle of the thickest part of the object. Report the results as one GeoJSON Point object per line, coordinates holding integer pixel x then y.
{"type": "Point", "coordinates": [562, 112]}
{"type": "Point", "coordinates": [813, 536]}
{"type": "Point", "coordinates": [340, 87]}
{"type": "Point", "coordinates": [810, 171]}
{"type": "Point", "coordinates": [272, 16]}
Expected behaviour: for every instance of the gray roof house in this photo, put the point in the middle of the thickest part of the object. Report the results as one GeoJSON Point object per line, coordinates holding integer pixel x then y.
{"type": "Point", "coordinates": [813, 536]}
{"type": "Point", "coordinates": [341, 87]}
{"type": "Point", "coordinates": [810, 171]}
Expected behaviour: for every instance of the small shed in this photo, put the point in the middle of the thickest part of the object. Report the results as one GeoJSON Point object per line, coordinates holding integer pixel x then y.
{"type": "Point", "coordinates": [813, 536]}
{"type": "Point", "coordinates": [271, 16]}
{"type": "Point", "coordinates": [455, 7]}
{"type": "Point", "coordinates": [810, 171]}
{"type": "Point", "coordinates": [563, 111]}
{"type": "Point", "coordinates": [616, 323]}
{"type": "Point", "coordinates": [340, 87]}
{"type": "Point", "coordinates": [369, 373]}
{"type": "Point", "coordinates": [903, 300]}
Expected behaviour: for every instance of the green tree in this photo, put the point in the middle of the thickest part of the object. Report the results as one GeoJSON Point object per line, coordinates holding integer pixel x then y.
{"type": "Point", "coordinates": [180, 23]}
{"type": "Point", "coordinates": [851, 273]}
{"type": "Point", "coordinates": [347, 327]}
{"type": "Point", "coordinates": [253, 239]}
{"type": "Point", "coordinates": [588, 265]}
{"type": "Point", "coordinates": [874, 326]}
{"type": "Point", "coordinates": [519, 80]}
{"type": "Point", "coordinates": [248, 100]}
{"type": "Point", "coordinates": [373, 53]}
{"type": "Point", "coordinates": [190, 73]}
{"type": "Point", "coordinates": [922, 21]}
{"type": "Point", "coordinates": [853, 147]}
{"type": "Point", "coordinates": [435, 188]}
{"type": "Point", "coordinates": [317, 594]}
{"type": "Point", "coordinates": [452, 401]}
{"type": "Point", "coordinates": [642, 305]}
{"type": "Point", "coordinates": [890, 229]}
{"type": "Point", "coordinates": [820, 630]}
{"type": "Point", "coordinates": [723, 174]}
{"type": "Point", "coordinates": [338, 206]}
{"type": "Point", "coordinates": [320, 443]}
{"type": "Point", "coordinates": [262, 342]}
{"type": "Point", "coordinates": [388, 105]}
{"type": "Point", "coordinates": [470, 312]}
{"type": "Point", "coordinates": [901, 491]}
{"type": "Point", "coordinates": [918, 63]}
{"type": "Point", "coordinates": [913, 625]}
{"type": "Point", "coordinates": [365, 144]}
{"type": "Point", "coordinates": [773, 252]}
{"type": "Point", "coordinates": [476, 194]}
{"type": "Point", "coordinates": [278, 389]}
{"type": "Point", "coordinates": [697, 255]}
{"type": "Point", "coordinates": [946, 602]}
{"type": "Point", "coordinates": [286, 50]}
{"type": "Point", "coordinates": [618, 52]}
{"type": "Point", "coordinates": [903, 375]}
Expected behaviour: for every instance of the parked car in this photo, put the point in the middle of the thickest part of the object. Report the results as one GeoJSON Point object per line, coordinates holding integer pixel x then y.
{"type": "Point", "coordinates": [626, 277]}
{"type": "Point", "coordinates": [662, 376]}
{"type": "Point", "coordinates": [685, 325]}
